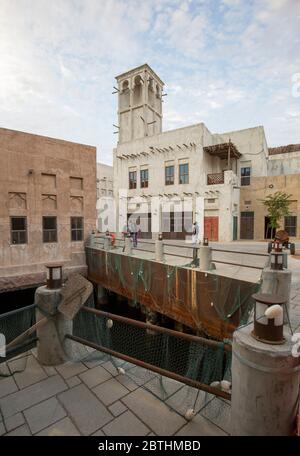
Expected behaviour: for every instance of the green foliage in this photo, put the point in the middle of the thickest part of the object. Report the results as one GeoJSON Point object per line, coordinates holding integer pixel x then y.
{"type": "Point", "coordinates": [277, 205]}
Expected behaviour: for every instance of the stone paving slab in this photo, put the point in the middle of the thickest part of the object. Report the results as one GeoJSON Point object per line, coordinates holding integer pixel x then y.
{"type": "Point", "coordinates": [218, 411]}
{"type": "Point", "coordinates": [21, 400]}
{"type": "Point", "coordinates": [73, 381]}
{"type": "Point", "coordinates": [44, 414]}
{"type": "Point", "coordinates": [127, 382]}
{"type": "Point", "coordinates": [20, 431]}
{"type": "Point", "coordinates": [110, 391]}
{"type": "Point", "coordinates": [163, 387]}
{"type": "Point", "coordinates": [99, 433]}
{"type": "Point", "coordinates": [117, 408]}
{"type": "Point", "coordinates": [64, 427]}
{"type": "Point", "coordinates": [200, 426]}
{"type": "Point", "coordinates": [153, 412]}
{"type": "Point", "coordinates": [7, 386]}
{"type": "Point", "coordinates": [186, 398]}
{"type": "Point", "coordinates": [83, 407]}
{"type": "Point", "coordinates": [30, 373]}
{"type": "Point", "coordinates": [59, 405]}
{"type": "Point", "coordinates": [2, 428]}
{"type": "Point", "coordinates": [126, 424]}
{"type": "Point", "coordinates": [70, 369]}
{"type": "Point", "coordinates": [95, 376]}
{"type": "Point", "coordinates": [4, 370]}
{"type": "Point", "coordinates": [14, 421]}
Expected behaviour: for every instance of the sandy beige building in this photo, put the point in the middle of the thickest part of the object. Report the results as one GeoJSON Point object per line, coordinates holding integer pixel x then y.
{"type": "Point", "coordinates": [254, 218]}
{"type": "Point", "coordinates": [168, 179]}
{"type": "Point", "coordinates": [105, 174]}
{"type": "Point", "coordinates": [47, 205]}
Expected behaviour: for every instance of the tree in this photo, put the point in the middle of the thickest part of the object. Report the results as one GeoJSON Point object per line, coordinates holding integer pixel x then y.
{"type": "Point", "coordinates": [277, 205]}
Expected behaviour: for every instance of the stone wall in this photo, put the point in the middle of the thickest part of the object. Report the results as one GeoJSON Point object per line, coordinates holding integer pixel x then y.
{"type": "Point", "coordinates": [42, 176]}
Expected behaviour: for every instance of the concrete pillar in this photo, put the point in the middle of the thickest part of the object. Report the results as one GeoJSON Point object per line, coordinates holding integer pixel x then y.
{"type": "Point", "coordinates": [265, 386]}
{"type": "Point", "coordinates": [128, 246]}
{"type": "Point", "coordinates": [277, 282]}
{"type": "Point", "coordinates": [205, 257]}
{"type": "Point", "coordinates": [159, 250]}
{"type": "Point", "coordinates": [52, 348]}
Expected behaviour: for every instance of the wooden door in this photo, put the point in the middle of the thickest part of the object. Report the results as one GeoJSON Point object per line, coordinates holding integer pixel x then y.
{"type": "Point", "coordinates": [235, 228]}
{"type": "Point", "coordinates": [247, 225]}
{"type": "Point", "coordinates": [211, 228]}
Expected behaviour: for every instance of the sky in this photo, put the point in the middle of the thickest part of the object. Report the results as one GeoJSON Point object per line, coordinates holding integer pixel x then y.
{"type": "Point", "coordinates": [231, 64]}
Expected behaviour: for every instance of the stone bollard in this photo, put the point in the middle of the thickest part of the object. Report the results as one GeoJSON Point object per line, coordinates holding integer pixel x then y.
{"type": "Point", "coordinates": [205, 256]}
{"type": "Point", "coordinates": [265, 386]}
{"type": "Point", "coordinates": [52, 349]}
{"type": "Point", "coordinates": [107, 243]}
{"type": "Point", "coordinates": [277, 282]}
{"type": "Point", "coordinates": [159, 251]}
{"type": "Point", "coordinates": [128, 245]}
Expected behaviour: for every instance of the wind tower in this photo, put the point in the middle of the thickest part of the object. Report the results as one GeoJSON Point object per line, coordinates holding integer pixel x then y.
{"type": "Point", "coordinates": [139, 103]}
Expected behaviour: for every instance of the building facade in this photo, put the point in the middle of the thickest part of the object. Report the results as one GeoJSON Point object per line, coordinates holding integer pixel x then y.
{"type": "Point", "coordinates": [47, 206]}
{"type": "Point", "coordinates": [105, 175]}
{"type": "Point", "coordinates": [167, 180]}
{"type": "Point", "coordinates": [283, 174]}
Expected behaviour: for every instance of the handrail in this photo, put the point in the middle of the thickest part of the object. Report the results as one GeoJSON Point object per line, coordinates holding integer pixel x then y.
{"type": "Point", "coordinates": [155, 328]}
{"type": "Point", "coordinates": [149, 242]}
{"type": "Point", "coordinates": [16, 311]}
{"type": "Point", "coordinates": [186, 380]}
{"type": "Point", "coordinates": [213, 259]}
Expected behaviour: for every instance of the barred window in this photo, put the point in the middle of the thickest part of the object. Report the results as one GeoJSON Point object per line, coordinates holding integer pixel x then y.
{"type": "Point", "coordinates": [169, 175]}
{"type": "Point", "coordinates": [184, 173]}
{"type": "Point", "coordinates": [245, 176]}
{"type": "Point", "coordinates": [49, 229]}
{"type": "Point", "coordinates": [18, 229]}
{"type": "Point", "coordinates": [132, 179]}
{"type": "Point", "coordinates": [77, 228]}
{"type": "Point", "coordinates": [290, 225]}
{"type": "Point", "coordinates": [144, 178]}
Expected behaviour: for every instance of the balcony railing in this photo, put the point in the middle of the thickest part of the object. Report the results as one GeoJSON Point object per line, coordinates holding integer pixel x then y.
{"type": "Point", "coordinates": [216, 178]}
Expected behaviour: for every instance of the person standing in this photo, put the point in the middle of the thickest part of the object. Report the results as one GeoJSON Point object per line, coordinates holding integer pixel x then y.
{"type": "Point", "coordinates": [125, 232]}
{"type": "Point", "coordinates": [133, 232]}
{"type": "Point", "coordinates": [195, 233]}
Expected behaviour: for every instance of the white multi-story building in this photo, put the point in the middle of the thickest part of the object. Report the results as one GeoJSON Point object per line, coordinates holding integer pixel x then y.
{"type": "Point", "coordinates": [104, 180]}
{"type": "Point", "coordinates": [169, 179]}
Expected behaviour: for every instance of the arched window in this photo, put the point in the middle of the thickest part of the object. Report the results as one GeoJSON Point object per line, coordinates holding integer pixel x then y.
{"type": "Point", "coordinates": [150, 91]}
{"type": "Point", "coordinates": [157, 98]}
{"type": "Point", "coordinates": [125, 95]}
{"type": "Point", "coordinates": [137, 90]}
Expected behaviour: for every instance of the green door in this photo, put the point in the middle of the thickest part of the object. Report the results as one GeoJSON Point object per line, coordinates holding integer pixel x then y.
{"type": "Point", "coordinates": [235, 225]}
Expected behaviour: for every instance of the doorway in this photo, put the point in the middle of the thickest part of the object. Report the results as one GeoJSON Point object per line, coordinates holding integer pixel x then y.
{"type": "Point", "coordinates": [247, 225]}
{"type": "Point", "coordinates": [235, 227]}
{"type": "Point", "coordinates": [211, 228]}
{"type": "Point", "coordinates": [269, 232]}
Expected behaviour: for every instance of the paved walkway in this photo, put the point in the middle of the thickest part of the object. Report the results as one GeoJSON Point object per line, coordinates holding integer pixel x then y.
{"type": "Point", "coordinates": [93, 398]}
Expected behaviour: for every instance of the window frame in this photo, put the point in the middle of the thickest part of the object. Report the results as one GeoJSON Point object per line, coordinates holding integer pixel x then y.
{"type": "Point", "coordinates": [171, 175]}
{"type": "Point", "coordinates": [289, 227]}
{"type": "Point", "coordinates": [77, 230]}
{"type": "Point", "coordinates": [49, 231]}
{"type": "Point", "coordinates": [183, 175]}
{"type": "Point", "coordinates": [12, 232]}
{"type": "Point", "coordinates": [144, 178]}
{"type": "Point", "coordinates": [132, 182]}
{"type": "Point", "coordinates": [245, 179]}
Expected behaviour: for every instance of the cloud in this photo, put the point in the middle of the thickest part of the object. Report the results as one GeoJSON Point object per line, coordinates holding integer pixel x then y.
{"type": "Point", "coordinates": [227, 62]}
